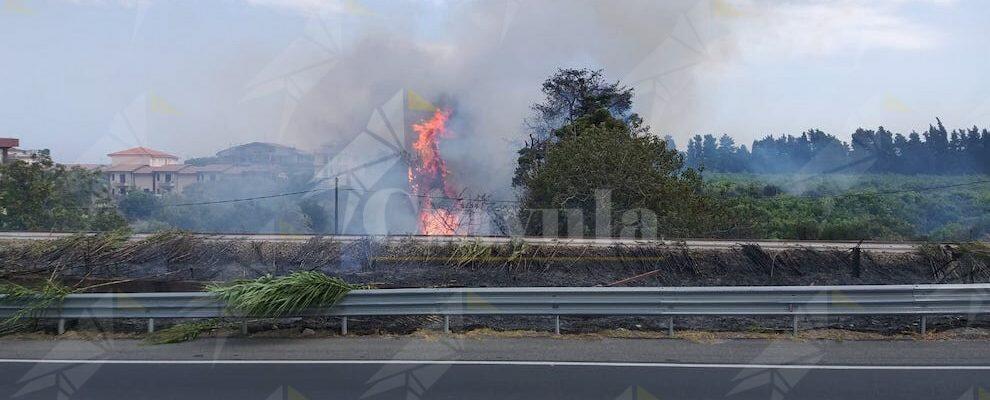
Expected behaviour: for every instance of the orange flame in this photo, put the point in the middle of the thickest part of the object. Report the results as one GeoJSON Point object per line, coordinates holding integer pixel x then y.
{"type": "Point", "coordinates": [428, 178]}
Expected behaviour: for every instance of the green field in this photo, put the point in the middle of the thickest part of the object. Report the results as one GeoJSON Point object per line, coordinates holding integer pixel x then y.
{"type": "Point", "coordinates": [833, 207]}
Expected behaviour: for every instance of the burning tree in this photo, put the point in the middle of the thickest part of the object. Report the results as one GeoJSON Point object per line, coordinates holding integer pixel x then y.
{"type": "Point", "coordinates": [438, 203]}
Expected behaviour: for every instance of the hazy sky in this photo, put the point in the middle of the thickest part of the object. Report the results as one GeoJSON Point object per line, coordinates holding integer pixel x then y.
{"type": "Point", "coordinates": [85, 78]}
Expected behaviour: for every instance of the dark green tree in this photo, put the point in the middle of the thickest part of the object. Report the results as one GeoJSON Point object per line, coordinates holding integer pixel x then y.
{"type": "Point", "coordinates": [138, 205]}
{"type": "Point", "coordinates": [599, 151]}
{"type": "Point", "coordinates": [569, 95]}
{"type": "Point", "coordinates": [317, 218]}
{"type": "Point", "coordinates": [47, 196]}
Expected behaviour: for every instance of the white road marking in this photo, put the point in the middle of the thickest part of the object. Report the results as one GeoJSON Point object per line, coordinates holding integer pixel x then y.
{"type": "Point", "coordinates": [506, 363]}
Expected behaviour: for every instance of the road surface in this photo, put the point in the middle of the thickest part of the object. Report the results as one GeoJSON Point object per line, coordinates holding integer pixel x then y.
{"type": "Point", "coordinates": [450, 368]}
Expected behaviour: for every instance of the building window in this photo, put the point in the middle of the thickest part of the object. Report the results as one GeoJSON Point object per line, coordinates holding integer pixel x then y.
{"type": "Point", "coordinates": [123, 190]}
{"type": "Point", "coordinates": [112, 177]}
{"type": "Point", "coordinates": [123, 178]}
{"type": "Point", "coordinates": [168, 177]}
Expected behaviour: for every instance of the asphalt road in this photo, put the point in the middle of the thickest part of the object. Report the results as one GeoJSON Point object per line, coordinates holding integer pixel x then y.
{"type": "Point", "coordinates": [521, 368]}
{"type": "Point", "coordinates": [445, 381]}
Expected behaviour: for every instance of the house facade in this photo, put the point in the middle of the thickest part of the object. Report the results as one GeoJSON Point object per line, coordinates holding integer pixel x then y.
{"type": "Point", "coordinates": [147, 170]}
{"type": "Point", "coordinates": [261, 153]}
{"type": "Point", "coordinates": [172, 178]}
{"type": "Point", "coordinates": [121, 178]}
{"type": "Point", "coordinates": [153, 171]}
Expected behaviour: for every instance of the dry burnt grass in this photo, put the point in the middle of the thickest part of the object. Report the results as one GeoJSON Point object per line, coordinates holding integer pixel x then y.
{"type": "Point", "coordinates": [172, 261]}
{"type": "Point", "coordinates": [180, 261]}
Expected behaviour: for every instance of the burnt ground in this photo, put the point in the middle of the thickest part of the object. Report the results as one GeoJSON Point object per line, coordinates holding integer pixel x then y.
{"type": "Point", "coordinates": [179, 262]}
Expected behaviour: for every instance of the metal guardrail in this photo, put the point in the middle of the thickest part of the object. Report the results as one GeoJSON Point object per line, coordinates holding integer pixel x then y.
{"type": "Point", "coordinates": [567, 301]}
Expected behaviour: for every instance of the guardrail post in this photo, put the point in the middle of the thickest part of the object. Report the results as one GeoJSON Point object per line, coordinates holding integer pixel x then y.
{"type": "Point", "coordinates": [343, 326]}
{"type": "Point", "coordinates": [556, 324]}
{"type": "Point", "coordinates": [924, 324]}
{"type": "Point", "coordinates": [794, 325]}
{"type": "Point", "coordinates": [151, 325]}
{"type": "Point", "coordinates": [670, 327]}
{"type": "Point", "coordinates": [61, 326]}
{"type": "Point", "coordinates": [446, 324]}
{"type": "Point", "coordinates": [244, 330]}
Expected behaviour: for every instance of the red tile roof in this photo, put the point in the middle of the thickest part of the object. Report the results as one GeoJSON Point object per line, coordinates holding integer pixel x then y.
{"type": "Point", "coordinates": [142, 151]}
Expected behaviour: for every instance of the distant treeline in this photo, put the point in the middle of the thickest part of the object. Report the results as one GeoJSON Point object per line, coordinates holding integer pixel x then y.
{"type": "Point", "coordinates": [935, 151]}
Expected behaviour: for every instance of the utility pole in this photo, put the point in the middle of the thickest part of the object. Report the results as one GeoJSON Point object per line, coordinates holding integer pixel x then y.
{"type": "Point", "coordinates": [336, 199]}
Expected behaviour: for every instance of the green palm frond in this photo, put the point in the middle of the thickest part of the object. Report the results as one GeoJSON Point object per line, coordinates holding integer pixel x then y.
{"type": "Point", "coordinates": [31, 302]}
{"type": "Point", "coordinates": [269, 296]}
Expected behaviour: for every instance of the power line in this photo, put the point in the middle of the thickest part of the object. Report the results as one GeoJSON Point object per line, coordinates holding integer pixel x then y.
{"type": "Point", "coordinates": [490, 201]}
{"type": "Point", "coordinates": [202, 203]}
{"type": "Point", "coordinates": [271, 196]}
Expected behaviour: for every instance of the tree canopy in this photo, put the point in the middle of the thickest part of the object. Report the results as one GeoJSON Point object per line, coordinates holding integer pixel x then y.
{"type": "Point", "coordinates": [935, 151]}
{"type": "Point", "coordinates": [46, 196]}
{"type": "Point", "coordinates": [596, 143]}
{"type": "Point", "coordinates": [599, 152]}
{"type": "Point", "coordinates": [569, 95]}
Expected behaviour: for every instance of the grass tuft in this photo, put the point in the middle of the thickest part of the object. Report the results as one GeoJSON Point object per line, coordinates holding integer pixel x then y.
{"type": "Point", "coordinates": [978, 250]}
{"type": "Point", "coordinates": [32, 302]}
{"type": "Point", "coordinates": [468, 253]}
{"type": "Point", "coordinates": [183, 332]}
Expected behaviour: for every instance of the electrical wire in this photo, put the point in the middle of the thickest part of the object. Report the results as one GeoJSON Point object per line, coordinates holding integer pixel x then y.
{"type": "Point", "coordinates": [461, 199]}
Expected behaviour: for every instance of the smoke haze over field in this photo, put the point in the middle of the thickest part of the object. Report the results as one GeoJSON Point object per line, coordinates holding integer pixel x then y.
{"type": "Point", "coordinates": [91, 77]}
{"type": "Point", "coordinates": [486, 58]}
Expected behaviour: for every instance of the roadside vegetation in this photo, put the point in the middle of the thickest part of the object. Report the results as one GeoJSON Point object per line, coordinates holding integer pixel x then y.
{"type": "Point", "coordinates": [32, 301]}
{"type": "Point", "coordinates": [852, 207]}
{"type": "Point", "coordinates": [272, 297]}
{"type": "Point", "coordinates": [282, 285]}
{"type": "Point", "coordinates": [44, 196]}
{"type": "Point", "coordinates": [185, 331]}
{"type": "Point", "coordinates": [263, 297]}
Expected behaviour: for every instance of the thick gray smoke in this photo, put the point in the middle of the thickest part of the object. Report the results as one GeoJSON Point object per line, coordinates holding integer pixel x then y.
{"type": "Point", "coordinates": [359, 75]}
{"type": "Point", "coordinates": [487, 59]}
